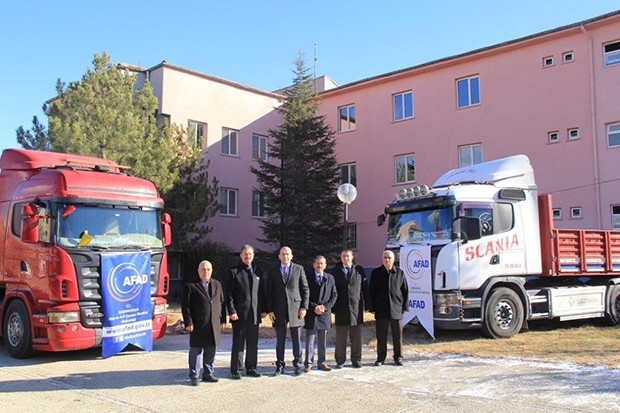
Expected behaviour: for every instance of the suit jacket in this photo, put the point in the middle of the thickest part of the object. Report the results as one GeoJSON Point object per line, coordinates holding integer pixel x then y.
{"type": "Point", "coordinates": [353, 295]}
{"type": "Point", "coordinates": [285, 300]}
{"type": "Point", "coordinates": [244, 295]}
{"type": "Point", "coordinates": [204, 311]}
{"type": "Point", "coordinates": [323, 294]}
{"type": "Point", "coordinates": [389, 293]}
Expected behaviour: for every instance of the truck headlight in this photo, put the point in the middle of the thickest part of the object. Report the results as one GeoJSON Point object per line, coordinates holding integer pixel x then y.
{"type": "Point", "coordinates": [55, 317]}
{"type": "Point", "coordinates": [159, 309]}
{"type": "Point", "coordinates": [447, 299]}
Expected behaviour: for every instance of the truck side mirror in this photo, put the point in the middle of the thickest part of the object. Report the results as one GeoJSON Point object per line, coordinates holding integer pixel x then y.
{"type": "Point", "coordinates": [466, 229]}
{"type": "Point", "coordinates": [165, 221]}
{"type": "Point", "coordinates": [380, 220]}
{"type": "Point", "coordinates": [30, 224]}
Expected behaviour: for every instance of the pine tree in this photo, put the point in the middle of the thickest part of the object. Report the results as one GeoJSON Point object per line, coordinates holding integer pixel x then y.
{"type": "Point", "coordinates": [301, 176]}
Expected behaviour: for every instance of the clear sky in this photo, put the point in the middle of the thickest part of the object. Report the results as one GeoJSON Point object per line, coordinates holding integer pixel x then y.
{"type": "Point", "coordinates": [251, 42]}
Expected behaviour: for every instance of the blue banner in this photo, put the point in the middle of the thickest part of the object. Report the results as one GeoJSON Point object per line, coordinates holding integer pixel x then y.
{"type": "Point", "coordinates": [126, 295]}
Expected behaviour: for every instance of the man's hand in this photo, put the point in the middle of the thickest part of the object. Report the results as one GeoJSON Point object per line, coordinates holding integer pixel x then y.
{"type": "Point", "coordinates": [272, 316]}
{"type": "Point", "coordinates": [189, 328]}
{"type": "Point", "coordinates": [302, 313]}
{"type": "Point", "coordinates": [234, 317]}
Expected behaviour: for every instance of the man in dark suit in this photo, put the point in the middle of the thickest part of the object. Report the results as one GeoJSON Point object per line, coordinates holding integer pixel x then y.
{"type": "Point", "coordinates": [390, 300]}
{"type": "Point", "coordinates": [286, 303]}
{"type": "Point", "coordinates": [352, 289]}
{"type": "Point", "coordinates": [243, 301]}
{"type": "Point", "coordinates": [319, 315]}
{"type": "Point", "coordinates": [201, 305]}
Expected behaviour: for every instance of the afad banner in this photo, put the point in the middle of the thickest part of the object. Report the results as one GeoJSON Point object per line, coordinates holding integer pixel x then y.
{"type": "Point", "coordinates": [415, 261]}
{"type": "Point", "coordinates": [126, 293]}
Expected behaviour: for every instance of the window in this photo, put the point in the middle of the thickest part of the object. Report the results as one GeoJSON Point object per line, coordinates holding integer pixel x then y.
{"type": "Point", "coordinates": [196, 134]}
{"type": "Point", "coordinates": [573, 133]}
{"type": "Point", "coordinates": [259, 147]}
{"type": "Point", "coordinates": [553, 137]}
{"type": "Point", "coordinates": [613, 135]}
{"type": "Point", "coordinates": [348, 174]}
{"type": "Point", "coordinates": [228, 201]}
{"type": "Point", "coordinates": [346, 118]}
{"type": "Point", "coordinates": [470, 155]}
{"type": "Point", "coordinates": [575, 212]}
{"type": "Point", "coordinates": [403, 105]}
{"type": "Point", "coordinates": [547, 61]}
{"type": "Point", "coordinates": [612, 54]}
{"type": "Point", "coordinates": [468, 91]}
{"type": "Point", "coordinates": [567, 57]}
{"type": "Point", "coordinates": [352, 235]}
{"type": "Point", "coordinates": [229, 142]}
{"type": "Point", "coordinates": [615, 216]}
{"type": "Point", "coordinates": [258, 204]}
{"type": "Point", "coordinates": [557, 213]}
{"type": "Point", "coordinates": [404, 167]}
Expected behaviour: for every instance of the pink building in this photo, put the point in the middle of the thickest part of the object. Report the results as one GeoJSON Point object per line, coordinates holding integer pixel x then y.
{"type": "Point", "coordinates": [553, 96]}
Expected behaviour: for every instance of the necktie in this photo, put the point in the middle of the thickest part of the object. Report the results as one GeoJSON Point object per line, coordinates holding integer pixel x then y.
{"type": "Point", "coordinates": [347, 272]}
{"type": "Point", "coordinates": [319, 279]}
{"type": "Point", "coordinates": [206, 286]}
{"type": "Point", "coordinates": [285, 274]}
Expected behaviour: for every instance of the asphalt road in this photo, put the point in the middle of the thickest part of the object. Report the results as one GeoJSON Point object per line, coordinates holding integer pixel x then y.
{"type": "Point", "coordinates": [137, 381]}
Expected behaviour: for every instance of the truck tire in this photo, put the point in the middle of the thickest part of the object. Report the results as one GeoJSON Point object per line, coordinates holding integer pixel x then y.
{"type": "Point", "coordinates": [503, 314]}
{"type": "Point", "coordinates": [613, 312]}
{"type": "Point", "coordinates": [17, 336]}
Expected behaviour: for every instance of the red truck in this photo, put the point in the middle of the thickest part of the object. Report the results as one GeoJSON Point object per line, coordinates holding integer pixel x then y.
{"type": "Point", "coordinates": [58, 214]}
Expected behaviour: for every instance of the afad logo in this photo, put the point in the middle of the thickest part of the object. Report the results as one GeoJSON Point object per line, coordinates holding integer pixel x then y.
{"type": "Point", "coordinates": [125, 282]}
{"type": "Point", "coordinates": [416, 265]}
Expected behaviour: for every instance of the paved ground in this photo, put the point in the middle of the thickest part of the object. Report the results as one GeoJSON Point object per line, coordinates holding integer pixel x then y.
{"type": "Point", "coordinates": [136, 381]}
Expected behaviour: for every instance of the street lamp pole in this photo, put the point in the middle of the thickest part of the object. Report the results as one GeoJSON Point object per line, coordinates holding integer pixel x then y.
{"type": "Point", "coordinates": [346, 194]}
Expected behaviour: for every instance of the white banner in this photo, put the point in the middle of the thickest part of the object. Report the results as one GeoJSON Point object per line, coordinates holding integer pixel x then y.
{"type": "Point", "coordinates": [415, 261]}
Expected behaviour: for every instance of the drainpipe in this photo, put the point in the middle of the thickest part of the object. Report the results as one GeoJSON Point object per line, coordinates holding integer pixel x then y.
{"type": "Point", "coordinates": [597, 192]}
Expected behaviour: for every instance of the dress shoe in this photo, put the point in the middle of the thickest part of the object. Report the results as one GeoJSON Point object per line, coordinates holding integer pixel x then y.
{"type": "Point", "coordinates": [357, 364]}
{"type": "Point", "coordinates": [253, 373]}
{"type": "Point", "coordinates": [378, 363]}
{"type": "Point", "coordinates": [236, 376]}
{"type": "Point", "coordinates": [338, 366]}
{"type": "Point", "coordinates": [398, 362]}
{"type": "Point", "coordinates": [279, 370]}
{"type": "Point", "coordinates": [210, 379]}
{"type": "Point", "coordinates": [296, 371]}
{"type": "Point", "coordinates": [324, 367]}
{"type": "Point", "coordinates": [194, 381]}
{"type": "Point", "coordinates": [307, 369]}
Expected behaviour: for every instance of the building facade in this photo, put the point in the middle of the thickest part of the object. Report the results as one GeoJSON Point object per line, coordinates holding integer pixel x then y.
{"type": "Point", "coordinates": [553, 96]}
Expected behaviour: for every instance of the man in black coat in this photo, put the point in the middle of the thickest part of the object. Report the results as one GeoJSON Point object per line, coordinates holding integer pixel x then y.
{"type": "Point", "coordinates": [353, 297]}
{"type": "Point", "coordinates": [318, 320]}
{"type": "Point", "coordinates": [286, 304]}
{"type": "Point", "coordinates": [243, 300]}
{"type": "Point", "coordinates": [201, 305]}
{"type": "Point", "coordinates": [390, 300]}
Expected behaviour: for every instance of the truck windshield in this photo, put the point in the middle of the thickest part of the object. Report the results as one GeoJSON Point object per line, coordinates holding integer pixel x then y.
{"type": "Point", "coordinates": [105, 227]}
{"type": "Point", "coordinates": [431, 225]}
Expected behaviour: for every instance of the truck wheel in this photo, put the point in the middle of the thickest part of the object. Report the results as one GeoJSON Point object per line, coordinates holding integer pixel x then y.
{"type": "Point", "coordinates": [503, 314]}
{"type": "Point", "coordinates": [613, 312]}
{"type": "Point", "coordinates": [17, 335]}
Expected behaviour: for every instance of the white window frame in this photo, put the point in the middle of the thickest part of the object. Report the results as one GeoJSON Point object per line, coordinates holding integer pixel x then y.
{"type": "Point", "coordinates": [260, 147]}
{"type": "Point", "coordinates": [401, 98]}
{"type": "Point", "coordinates": [557, 214]}
{"type": "Point", "coordinates": [230, 142]}
{"type": "Point", "coordinates": [473, 150]}
{"type": "Point", "coordinates": [469, 83]}
{"type": "Point", "coordinates": [553, 136]}
{"type": "Point", "coordinates": [615, 217]}
{"type": "Point", "coordinates": [576, 213]}
{"type": "Point", "coordinates": [346, 118]}
{"type": "Point", "coordinates": [612, 57]}
{"type": "Point", "coordinates": [228, 196]}
{"type": "Point", "coordinates": [568, 57]}
{"type": "Point", "coordinates": [352, 235]}
{"type": "Point", "coordinates": [572, 134]}
{"type": "Point", "coordinates": [548, 61]}
{"type": "Point", "coordinates": [196, 133]}
{"type": "Point", "coordinates": [613, 129]}
{"type": "Point", "coordinates": [259, 201]}
{"type": "Point", "coordinates": [403, 160]}
{"type": "Point", "coordinates": [351, 177]}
